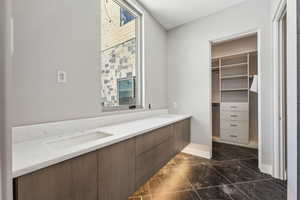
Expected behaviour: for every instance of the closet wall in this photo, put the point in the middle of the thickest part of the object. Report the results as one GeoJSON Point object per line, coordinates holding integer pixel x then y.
{"type": "Point", "coordinates": [234, 106]}
{"type": "Point", "coordinates": [237, 46]}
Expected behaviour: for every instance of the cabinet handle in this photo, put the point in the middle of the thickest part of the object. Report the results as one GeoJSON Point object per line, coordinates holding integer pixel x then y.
{"type": "Point", "coordinates": [233, 106]}
{"type": "Point", "coordinates": [233, 125]}
{"type": "Point", "coordinates": [233, 115]}
{"type": "Point", "coordinates": [233, 136]}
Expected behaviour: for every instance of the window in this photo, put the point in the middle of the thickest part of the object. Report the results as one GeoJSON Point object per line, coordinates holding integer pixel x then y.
{"type": "Point", "coordinates": [121, 71]}
{"type": "Point", "coordinates": [126, 16]}
{"type": "Point", "coordinates": [126, 91]}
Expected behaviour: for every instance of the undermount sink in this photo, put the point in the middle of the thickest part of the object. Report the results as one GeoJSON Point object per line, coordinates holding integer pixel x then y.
{"type": "Point", "coordinates": [78, 140]}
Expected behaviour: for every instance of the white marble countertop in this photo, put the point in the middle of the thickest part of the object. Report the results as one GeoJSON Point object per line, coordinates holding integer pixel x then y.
{"type": "Point", "coordinates": [30, 156]}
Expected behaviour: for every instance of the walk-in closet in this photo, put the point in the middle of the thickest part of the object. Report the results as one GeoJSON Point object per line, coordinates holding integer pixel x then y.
{"type": "Point", "coordinates": [235, 91]}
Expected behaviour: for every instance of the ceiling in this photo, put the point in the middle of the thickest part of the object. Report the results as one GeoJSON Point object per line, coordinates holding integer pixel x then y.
{"type": "Point", "coordinates": [172, 13]}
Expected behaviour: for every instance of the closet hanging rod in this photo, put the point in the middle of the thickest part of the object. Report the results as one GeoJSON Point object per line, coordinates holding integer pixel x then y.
{"type": "Point", "coordinates": [236, 89]}
{"type": "Point", "coordinates": [234, 77]}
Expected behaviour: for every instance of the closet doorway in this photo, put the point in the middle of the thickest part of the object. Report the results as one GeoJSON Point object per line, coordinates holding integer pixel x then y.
{"type": "Point", "coordinates": [235, 93]}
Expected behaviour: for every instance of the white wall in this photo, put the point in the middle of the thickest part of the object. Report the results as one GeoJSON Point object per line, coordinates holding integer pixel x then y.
{"type": "Point", "coordinates": [189, 73]}
{"type": "Point", "coordinates": [64, 34]}
{"type": "Point", "coordinates": [156, 59]}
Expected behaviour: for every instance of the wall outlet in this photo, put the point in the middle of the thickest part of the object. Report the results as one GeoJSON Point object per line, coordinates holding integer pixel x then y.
{"type": "Point", "coordinates": [61, 76]}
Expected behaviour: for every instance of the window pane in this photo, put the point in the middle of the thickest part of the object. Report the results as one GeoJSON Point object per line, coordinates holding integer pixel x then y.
{"type": "Point", "coordinates": [118, 54]}
{"type": "Point", "coordinates": [126, 16]}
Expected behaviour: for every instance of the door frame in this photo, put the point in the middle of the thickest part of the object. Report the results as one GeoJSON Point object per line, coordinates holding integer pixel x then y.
{"type": "Point", "coordinates": [292, 105]}
{"type": "Point", "coordinates": [6, 46]}
{"type": "Point", "coordinates": [279, 141]}
{"type": "Point", "coordinates": [292, 92]}
{"type": "Point", "coordinates": [262, 167]}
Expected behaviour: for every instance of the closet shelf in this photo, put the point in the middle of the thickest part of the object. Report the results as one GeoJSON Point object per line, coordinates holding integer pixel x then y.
{"type": "Point", "coordinates": [234, 65]}
{"type": "Point", "coordinates": [235, 76]}
{"type": "Point", "coordinates": [254, 51]}
{"type": "Point", "coordinates": [235, 89]}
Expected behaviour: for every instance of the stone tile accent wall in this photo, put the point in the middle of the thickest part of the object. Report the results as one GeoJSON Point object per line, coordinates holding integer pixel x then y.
{"type": "Point", "coordinates": [117, 62]}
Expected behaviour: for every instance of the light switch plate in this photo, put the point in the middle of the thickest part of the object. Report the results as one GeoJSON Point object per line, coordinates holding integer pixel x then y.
{"type": "Point", "coordinates": [61, 76]}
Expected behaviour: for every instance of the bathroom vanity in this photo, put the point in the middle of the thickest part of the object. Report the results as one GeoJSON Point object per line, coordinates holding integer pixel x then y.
{"type": "Point", "coordinates": [110, 172]}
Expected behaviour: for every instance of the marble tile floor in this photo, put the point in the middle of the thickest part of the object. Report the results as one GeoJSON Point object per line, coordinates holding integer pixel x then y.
{"type": "Point", "coordinates": [232, 174]}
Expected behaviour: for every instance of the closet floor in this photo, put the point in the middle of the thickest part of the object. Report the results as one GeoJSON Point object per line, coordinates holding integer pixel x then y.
{"type": "Point", "coordinates": [232, 174]}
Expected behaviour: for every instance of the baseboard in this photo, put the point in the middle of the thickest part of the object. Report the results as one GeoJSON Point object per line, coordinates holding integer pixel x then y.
{"type": "Point", "coordinates": [252, 144]}
{"type": "Point", "coordinates": [198, 150]}
{"type": "Point", "coordinates": [266, 169]}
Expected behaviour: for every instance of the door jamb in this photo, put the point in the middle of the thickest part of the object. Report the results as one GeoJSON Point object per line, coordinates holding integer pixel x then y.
{"type": "Point", "coordinates": [277, 158]}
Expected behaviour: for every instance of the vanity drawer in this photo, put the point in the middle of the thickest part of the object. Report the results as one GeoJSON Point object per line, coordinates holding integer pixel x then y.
{"type": "Point", "coordinates": [234, 107]}
{"type": "Point", "coordinates": [235, 136]}
{"type": "Point", "coordinates": [234, 115]}
{"type": "Point", "coordinates": [150, 140]}
{"type": "Point", "coordinates": [238, 126]}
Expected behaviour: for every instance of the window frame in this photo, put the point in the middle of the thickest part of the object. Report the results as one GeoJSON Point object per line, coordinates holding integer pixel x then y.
{"type": "Point", "coordinates": [140, 77]}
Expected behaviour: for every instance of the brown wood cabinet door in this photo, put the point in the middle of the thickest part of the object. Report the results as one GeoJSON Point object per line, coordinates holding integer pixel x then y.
{"type": "Point", "coordinates": [75, 179]}
{"type": "Point", "coordinates": [117, 171]}
{"type": "Point", "coordinates": [150, 140]}
{"type": "Point", "coordinates": [163, 134]}
{"type": "Point", "coordinates": [178, 143]}
{"type": "Point", "coordinates": [85, 177]}
{"type": "Point", "coordinates": [187, 132]}
{"type": "Point", "coordinates": [182, 134]}
{"type": "Point", "coordinates": [52, 183]}
{"type": "Point", "coordinates": [145, 142]}
{"type": "Point", "coordinates": [145, 166]}
{"type": "Point", "coordinates": [164, 152]}
{"type": "Point", "coordinates": [149, 162]}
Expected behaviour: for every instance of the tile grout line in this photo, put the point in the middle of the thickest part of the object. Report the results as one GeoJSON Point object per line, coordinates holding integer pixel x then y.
{"type": "Point", "coordinates": [239, 189]}
{"type": "Point", "coordinates": [254, 181]}
{"type": "Point", "coordinates": [243, 165]}
{"type": "Point", "coordinates": [232, 184]}
{"type": "Point", "coordinates": [244, 183]}
{"type": "Point", "coordinates": [220, 174]}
